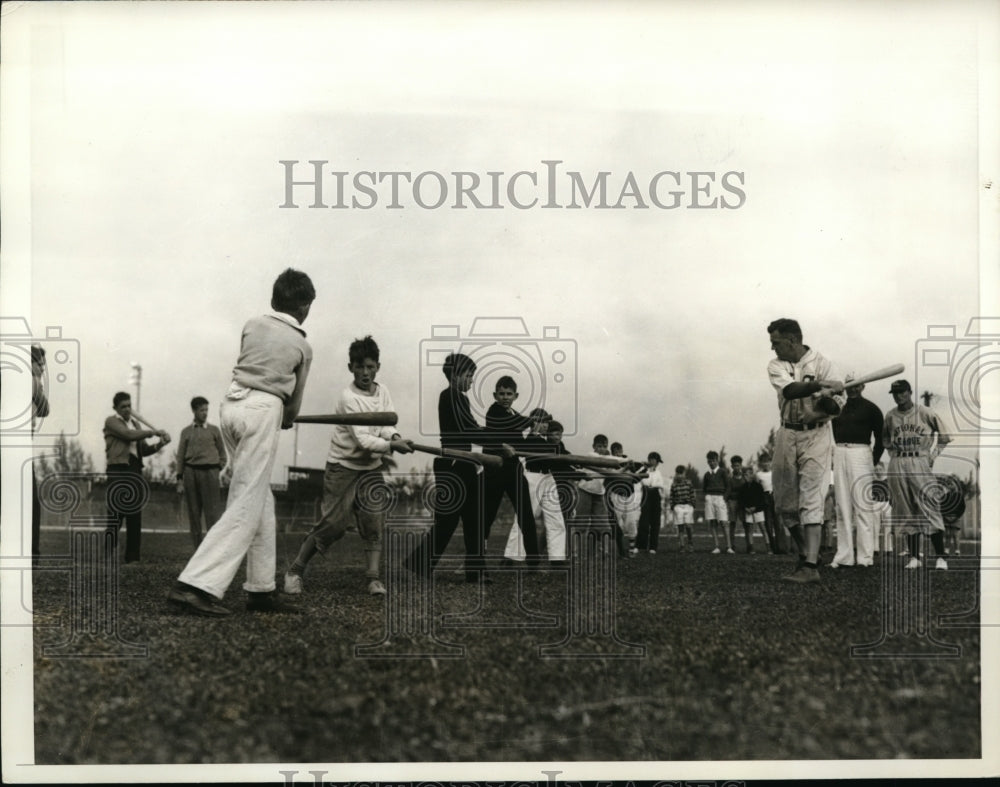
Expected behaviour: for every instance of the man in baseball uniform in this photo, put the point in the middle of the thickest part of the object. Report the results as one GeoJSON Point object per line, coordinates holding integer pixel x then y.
{"type": "Point", "coordinates": [808, 396]}
{"type": "Point", "coordinates": [854, 460]}
{"type": "Point", "coordinates": [914, 437]}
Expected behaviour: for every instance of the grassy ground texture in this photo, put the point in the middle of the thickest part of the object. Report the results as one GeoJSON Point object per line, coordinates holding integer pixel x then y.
{"type": "Point", "coordinates": [707, 657]}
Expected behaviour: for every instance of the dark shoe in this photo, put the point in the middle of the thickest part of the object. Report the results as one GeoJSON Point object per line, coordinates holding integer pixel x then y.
{"type": "Point", "coordinates": [194, 600]}
{"type": "Point", "coordinates": [803, 576]}
{"type": "Point", "coordinates": [270, 602]}
{"type": "Point", "coordinates": [475, 577]}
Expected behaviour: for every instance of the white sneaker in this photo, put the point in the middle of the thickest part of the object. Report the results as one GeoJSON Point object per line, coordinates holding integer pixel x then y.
{"type": "Point", "coordinates": [730, 551]}
{"type": "Point", "coordinates": [376, 588]}
{"type": "Point", "coordinates": [716, 551]}
{"type": "Point", "coordinates": [941, 563]}
{"type": "Point", "coordinates": [293, 584]}
{"type": "Point", "coordinates": [652, 551]}
{"type": "Point", "coordinates": [914, 563]}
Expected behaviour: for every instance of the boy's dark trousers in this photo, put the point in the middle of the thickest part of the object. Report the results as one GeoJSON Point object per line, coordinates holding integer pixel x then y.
{"type": "Point", "coordinates": [648, 535]}
{"type": "Point", "coordinates": [458, 495]}
{"type": "Point", "coordinates": [126, 495]}
{"type": "Point", "coordinates": [510, 480]}
{"type": "Point", "coordinates": [36, 520]}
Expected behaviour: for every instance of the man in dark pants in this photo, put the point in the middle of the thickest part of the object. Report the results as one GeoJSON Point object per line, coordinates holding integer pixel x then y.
{"type": "Point", "coordinates": [39, 409]}
{"type": "Point", "coordinates": [125, 445]}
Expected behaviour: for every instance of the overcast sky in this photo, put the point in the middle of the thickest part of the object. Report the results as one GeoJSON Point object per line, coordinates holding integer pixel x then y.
{"type": "Point", "coordinates": [142, 184]}
{"type": "Point", "coordinates": [156, 136]}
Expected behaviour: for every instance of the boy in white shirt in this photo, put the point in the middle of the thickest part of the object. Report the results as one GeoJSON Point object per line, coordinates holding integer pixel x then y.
{"type": "Point", "coordinates": [353, 477]}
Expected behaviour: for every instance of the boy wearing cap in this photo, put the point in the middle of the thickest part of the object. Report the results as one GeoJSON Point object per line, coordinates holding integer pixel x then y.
{"type": "Point", "coordinates": [651, 512]}
{"type": "Point", "coordinates": [914, 436]}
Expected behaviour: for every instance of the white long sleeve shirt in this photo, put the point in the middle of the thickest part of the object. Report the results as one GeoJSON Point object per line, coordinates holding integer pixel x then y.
{"type": "Point", "coordinates": [361, 447]}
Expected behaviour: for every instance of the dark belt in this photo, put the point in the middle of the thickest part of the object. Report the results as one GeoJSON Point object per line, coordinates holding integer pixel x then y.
{"type": "Point", "coordinates": [909, 453]}
{"type": "Point", "coordinates": [802, 427]}
{"type": "Point", "coordinates": [203, 467]}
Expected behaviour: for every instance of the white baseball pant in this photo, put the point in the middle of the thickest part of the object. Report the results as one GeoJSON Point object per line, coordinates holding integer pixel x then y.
{"type": "Point", "coordinates": [545, 507]}
{"type": "Point", "coordinates": [853, 473]}
{"type": "Point", "coordinates": [250, 429]}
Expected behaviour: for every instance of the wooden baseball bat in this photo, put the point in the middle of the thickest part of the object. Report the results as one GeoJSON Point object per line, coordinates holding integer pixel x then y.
{"type": "Point", "coordinates": [575, 459]}
{"type": "Point", "coordinates": [351, 419]}
{"type": "Point", "coordinates": [143, 421]}
{"type": "Point", "coordinates": [878, 374]}
{"type": "Point", "coordinates": [487, 460]}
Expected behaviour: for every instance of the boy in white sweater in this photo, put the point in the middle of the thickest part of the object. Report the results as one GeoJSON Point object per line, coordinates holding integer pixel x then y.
{"type": "Point", "coordinates": [353, 482]}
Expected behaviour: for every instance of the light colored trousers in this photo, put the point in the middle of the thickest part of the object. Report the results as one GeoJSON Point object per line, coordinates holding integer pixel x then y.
{"type": "Point", "coordinates": [250, 430]}
{"type": "Point", "coordinates": [883, 527]}
{"type": "Point", "coordinates": [545, 507]}
{"type": "Point", "coordinates": [801, 472]}
{"type": "Point", "coordinates": [627, 510]}
{"type": "Point", "coordinates": [853, 473]}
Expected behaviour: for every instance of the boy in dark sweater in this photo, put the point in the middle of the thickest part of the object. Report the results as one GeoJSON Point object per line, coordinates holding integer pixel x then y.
{"type": "Point", "coordinates": [506, 427]}
{"type": "Point", "coordinates": [753, 502]}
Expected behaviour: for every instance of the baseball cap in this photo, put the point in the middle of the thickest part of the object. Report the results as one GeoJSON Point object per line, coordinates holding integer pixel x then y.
{"type": "Point", "coordinates": [898, 386]}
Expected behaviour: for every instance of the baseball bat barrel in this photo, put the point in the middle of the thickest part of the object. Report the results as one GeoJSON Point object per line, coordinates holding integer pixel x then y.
{"type": "Point", "coordinates": [878, 374]}
{"type": "Point", "coordinates": [351, 419]}
{"type": "Point", "coordinates": [143, 421]}
{"type": "Point", "coordinates": [575, 459]}
{"type": "Point", "coordinates": [488, 460]}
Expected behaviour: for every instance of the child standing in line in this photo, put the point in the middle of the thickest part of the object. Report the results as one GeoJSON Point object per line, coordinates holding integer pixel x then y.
{"type": "Point", "coordinates": [715, 485]}
{"type": "Point", "coordinates": [506, 427]}
{"type": "Point", "coordinates": [264, 398]}
{"type": "Point", "coordinates": [544, 496]}
{"type": "Point", "coordinates": [753, 503]}
{"type": "Point", "coordinates": [456, 479]}
{"type": "Point", "coordinates": [626, 503]}
{"type": "Point", "coordinates": [201, 455]}
{"type": "Point", "coordinates": [592, 498]}
{"type": "Point", "coordinates": [733, 507]}
{"type": "Point", "coordinates": [775, 532]}
{"type": "Point", "coordinates": [652, 504]}
{"type": "Point", "coordinates": [565, 487]}
{"type": "Point", "coordinates": [590, 491]}
{"type": "Point", "coordinates": [354, 472]}
{"type": "Point", "coordinates": [682, 503]}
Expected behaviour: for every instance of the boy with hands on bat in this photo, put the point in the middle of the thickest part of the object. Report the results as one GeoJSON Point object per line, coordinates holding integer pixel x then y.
{"type": "Point", "coordinates": [458, 481]}
{"type": "Point", "coordinates": [353, 483]}
{"type": "Point", "coordinates": [507, 427]}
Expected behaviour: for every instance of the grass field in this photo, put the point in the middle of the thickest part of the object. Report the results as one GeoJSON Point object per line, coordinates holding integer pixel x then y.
{"type": "Point", "coordinates": [737, 666]}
